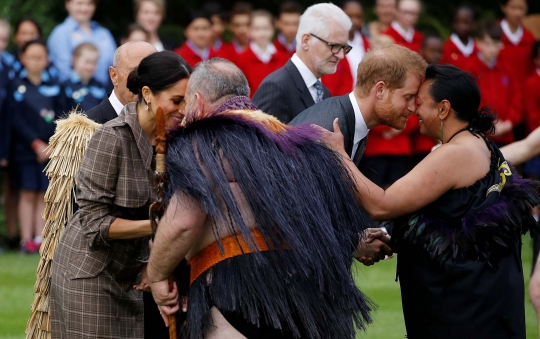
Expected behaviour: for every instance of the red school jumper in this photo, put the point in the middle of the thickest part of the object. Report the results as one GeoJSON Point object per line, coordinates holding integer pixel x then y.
{"type": "Point", "coordinates": [500, 92]}
{"type": "Point", "coordinates": [453, 55]}
{"type": "Point", "coordinates": [191, 57]}
{"type": "Point", "coordinates": [517, 57]}
{"type": "Point", "coordinates": [256, 70]}
{"type": "Point", "coordinates": [414, 45]}
{"type": "Point", "coordinates": [531, 100]}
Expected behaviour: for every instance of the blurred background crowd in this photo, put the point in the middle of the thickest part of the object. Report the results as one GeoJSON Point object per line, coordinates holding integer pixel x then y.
{"type": "Point", "coordinates": [56, 56]}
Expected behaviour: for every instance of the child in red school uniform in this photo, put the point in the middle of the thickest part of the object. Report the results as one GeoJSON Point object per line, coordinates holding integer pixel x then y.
{"type": "Point", "coordinates": [460, 45]}
{"type": "Point", "coordinates": [531, 100]}
{"type": "Point", "coordinates": [498, 88]}
{"type": "Point", "coordinates": [261, 57]}
{"type": "Point", "coordinates": [343, 80]}
{"type": "Point", "coordinates": [198, 44]}
{"type": "Point", "coordinates": [517, 40]}
{"type": "Point", "coordinates": [402, 29]}
{"type": "Point", "coordinates": [287, 24]}
{"type": "Point", "coordinates": [34, 103]}
{"type": "Point", "coordinates": [431, 51]}
{"type": "Point", "coordinates": [218, 23]}
{"type": "Point", "coordinates": [239, 19]}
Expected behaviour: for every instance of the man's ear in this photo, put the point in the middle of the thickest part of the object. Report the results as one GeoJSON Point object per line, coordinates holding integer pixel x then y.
{"type": "Point", "coordinates": [113, 74]}
{"type": "Point", "coordinates": [379, 88]}
{"type": "Point", "coordinates": [305, 40]}
{"type": "Point", "coordinates": [200, 102]}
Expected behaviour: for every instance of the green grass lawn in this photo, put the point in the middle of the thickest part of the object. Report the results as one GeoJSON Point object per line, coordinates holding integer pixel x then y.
{"type": "Point", "coordinates": [17, 277]}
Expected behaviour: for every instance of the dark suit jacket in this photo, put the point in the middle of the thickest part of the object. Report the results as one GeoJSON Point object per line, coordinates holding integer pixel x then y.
{"type": "Point", "coordinates": [102, 112]}
{"type": "Point", "coordinates": [324, 113]}
{"type": "Point", "coordinates": [284, 93]}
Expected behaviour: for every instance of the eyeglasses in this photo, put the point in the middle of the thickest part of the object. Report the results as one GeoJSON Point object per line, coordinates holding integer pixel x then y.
{"type": "Point", "coordinates": [334, 48]}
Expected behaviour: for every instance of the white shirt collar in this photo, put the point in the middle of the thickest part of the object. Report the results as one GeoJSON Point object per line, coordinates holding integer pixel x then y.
{"type": "Point", "coordinates": [264, 56]}
{"type": "Point", "coordinates": [514, 38]}
{"type": "Point", "coordinates": [116, 104]}
{"type": "Point", "coordinates": [407, 35]}
{"type": "Point", "coordinates": [307, 75]}
{"type": "Point", "coordinates": [467, 49]}
{"type": "Point", "coordinates": [360, 127]}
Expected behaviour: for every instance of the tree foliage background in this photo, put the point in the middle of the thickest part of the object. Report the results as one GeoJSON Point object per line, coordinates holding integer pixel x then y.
{"type": "Point", "coordinates": [118, 14]}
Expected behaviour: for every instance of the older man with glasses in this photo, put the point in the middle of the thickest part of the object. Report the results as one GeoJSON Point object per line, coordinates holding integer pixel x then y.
{"type": "Point", "coordinates": [321, 42]}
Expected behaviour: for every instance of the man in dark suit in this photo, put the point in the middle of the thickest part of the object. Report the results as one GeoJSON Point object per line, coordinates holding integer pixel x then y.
{"type": "Point", "coordinates": [385, 94]}
{"type": "Point", "coordinates": [126, 58]}
{"type": "Point", "coordinates": [321, 42]}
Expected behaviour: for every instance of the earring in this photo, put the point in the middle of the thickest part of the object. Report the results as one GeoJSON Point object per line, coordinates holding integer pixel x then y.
{"type": "Point", "coordinates": [442, 131]}
{"type": "Point", "coordinates": [146, 106]}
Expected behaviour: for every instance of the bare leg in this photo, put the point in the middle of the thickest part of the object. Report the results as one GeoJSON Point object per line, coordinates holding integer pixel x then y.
{"type": "Point", "coordinates": [39, 222]}
{"type": "Point", "coordinates": [222, 329]}
{"type": "Point", "coordinates": [11, 202]}
{"type": "Point", "coordinates": [534, 290]}
{"type": "Point", "coordinates": [26, 214]}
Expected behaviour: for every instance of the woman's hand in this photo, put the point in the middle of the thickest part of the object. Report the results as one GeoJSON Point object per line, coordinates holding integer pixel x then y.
{"type": "Point", "coordinates": [144, 285]}
{"type": "Point", "coordinates": [333, 140]}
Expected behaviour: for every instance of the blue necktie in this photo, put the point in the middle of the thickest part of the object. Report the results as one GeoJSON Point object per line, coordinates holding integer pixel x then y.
{"type": "Point", "coordinates": [320, 93]}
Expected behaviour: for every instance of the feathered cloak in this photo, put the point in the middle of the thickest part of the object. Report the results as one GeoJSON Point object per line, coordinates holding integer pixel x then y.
{"type": "Point", "coordinates": [302, 199]}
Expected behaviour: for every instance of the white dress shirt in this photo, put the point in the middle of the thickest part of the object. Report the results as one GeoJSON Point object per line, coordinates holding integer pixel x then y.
{"type": "Point", "coordinates": [360, 127]}
{"type": "Point", "coordinates": [307, 75]}
{"type": "Point", "coordinates": [116, 104]}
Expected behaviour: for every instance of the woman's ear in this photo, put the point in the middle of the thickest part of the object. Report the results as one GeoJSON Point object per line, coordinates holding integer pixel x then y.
{"type": "Point", "coordinates": [444, 109]}
{"type": "Point", "coordinates": [147, 94]}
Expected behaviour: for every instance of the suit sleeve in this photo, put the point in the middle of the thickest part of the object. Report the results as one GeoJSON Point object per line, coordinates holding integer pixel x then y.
{"type": "Point", "coordinates": [271, 98]}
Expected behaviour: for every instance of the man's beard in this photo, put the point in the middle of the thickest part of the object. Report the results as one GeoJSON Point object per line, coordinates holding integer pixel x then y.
{"type": "Point", "coordinates": [388, 115]}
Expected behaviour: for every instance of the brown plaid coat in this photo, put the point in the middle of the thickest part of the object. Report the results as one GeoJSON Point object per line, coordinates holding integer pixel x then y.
{"type": "Point", "coordinates": [92, 293]}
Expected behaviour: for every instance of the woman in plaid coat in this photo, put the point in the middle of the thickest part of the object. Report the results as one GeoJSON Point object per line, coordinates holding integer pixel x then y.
{"type": "Point", "coordinates": [105, 244]}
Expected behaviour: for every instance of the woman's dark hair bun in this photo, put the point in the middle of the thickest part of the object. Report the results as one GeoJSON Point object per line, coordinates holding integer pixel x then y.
{"type": "Point", "coordinates": [133, 81]}
{"type": "Point", "coordinates": [484, 120]}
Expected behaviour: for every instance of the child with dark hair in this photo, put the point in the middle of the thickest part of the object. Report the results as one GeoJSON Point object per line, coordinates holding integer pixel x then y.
{"type": "Point", "coordinates": [287, 24]}
{"type": "Point", "coordinates": [239, 20]}
{"type": "Point", "coordinates": [460, 45]}
{"type": "Point", "coordinates": [198, 44]}
{"type": "Point", "coordinates": [498, 87]}
{"type": "Point", "coordinates": [82, 89]}
{"type": "Point", "coordinates": [33, 105]}
{"type": "Point", "coordinates": [218, 23]}
{"type": "Point", "coordinates": [261, 57]}
{"type": "Point", "coordinates": [517, 40]}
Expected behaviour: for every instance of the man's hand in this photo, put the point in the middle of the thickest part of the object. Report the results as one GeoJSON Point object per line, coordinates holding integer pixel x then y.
{"type": "Point", "coordinates": [144, 285]}
{"type": "Point", "coordinates": [503, 127]}
{"type": "Point", "coordinates": [166, 300]}
{"type": "Point", "coordinates": [374, 247]}
{"type": "Point", "coordinates": [42, 155]}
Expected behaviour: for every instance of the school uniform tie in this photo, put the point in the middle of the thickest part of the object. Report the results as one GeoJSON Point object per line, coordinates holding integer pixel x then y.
{"type": "Point", "coordinates": [320, 93]}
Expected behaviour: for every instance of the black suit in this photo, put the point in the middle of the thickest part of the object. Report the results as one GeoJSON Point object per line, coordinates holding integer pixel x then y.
{"type": "Point", "coordinates": [102, 112]}
{"type": "Point", "coordinates": [284, 93]}
{"type": "Point", "coordinates": [324, 113]}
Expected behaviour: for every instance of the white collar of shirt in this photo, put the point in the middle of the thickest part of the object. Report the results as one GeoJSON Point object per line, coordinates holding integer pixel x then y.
{"type": "Point", "coordinates": [116, 104]}
{"type": "Point", "coordinates": [407, 35]}
{"type": "Point", "coordinates": [355, 55]}
{"type": "Point", "coordinates": [514, 38]}
{"type": "Point", "coordinates": [360, 127]}
{"type": "Point", "coordinates": [159, 46]}
{"type": "Point", "coordinates": [309, 78]}
{"type": "Point", "coordinates": [264, 56]}
{"type": "Point", "coordinates": [467, 49]}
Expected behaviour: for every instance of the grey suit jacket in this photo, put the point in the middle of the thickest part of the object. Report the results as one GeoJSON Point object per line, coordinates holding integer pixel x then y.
{"type": "Point", "coordinates": [102, 112]}
{"type": "Point", "coordinates": [324, 113]}
{"type": "Point", "coordinates": [284, 93]}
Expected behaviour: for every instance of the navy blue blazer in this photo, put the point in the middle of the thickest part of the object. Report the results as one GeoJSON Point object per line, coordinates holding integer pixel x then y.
{"type": "Point", "coordinates": [284, 93]}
